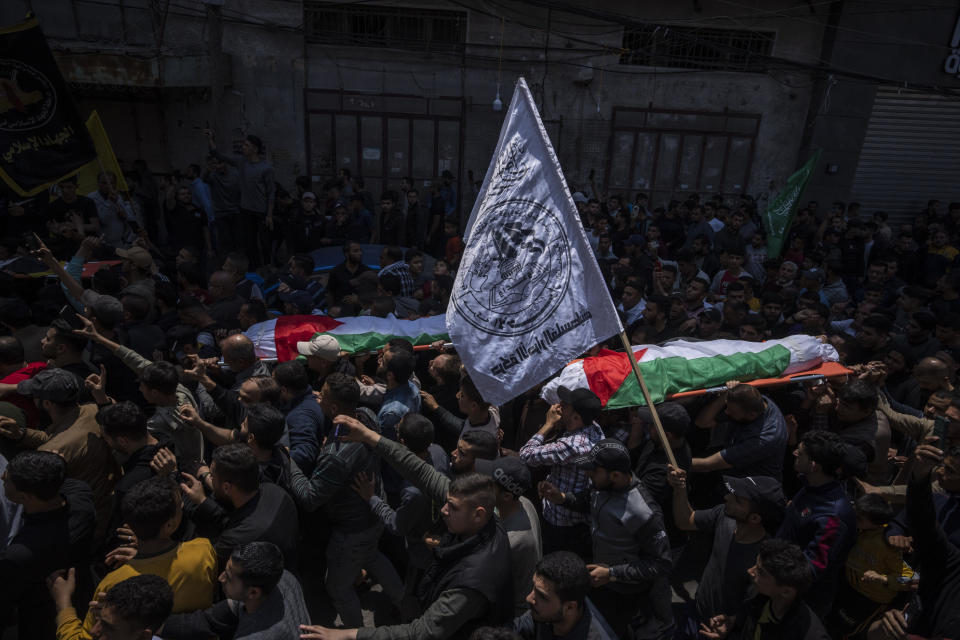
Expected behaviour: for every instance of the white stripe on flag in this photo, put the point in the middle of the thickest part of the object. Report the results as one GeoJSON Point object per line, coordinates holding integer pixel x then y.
{"type": "Point", "coordinates": [528, 296]}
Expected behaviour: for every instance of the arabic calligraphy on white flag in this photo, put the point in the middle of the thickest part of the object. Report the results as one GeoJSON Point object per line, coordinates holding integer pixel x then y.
{"type": "Point", "coordinates": [529, 296]}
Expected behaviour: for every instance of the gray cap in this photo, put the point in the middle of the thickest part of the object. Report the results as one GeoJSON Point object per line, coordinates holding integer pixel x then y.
{"type": "Point", "coordinates": [510, 472]}
{"type": "Point", "coordinates": [56, 385]}
{"type": "Point", "coordinates": [107, 310]}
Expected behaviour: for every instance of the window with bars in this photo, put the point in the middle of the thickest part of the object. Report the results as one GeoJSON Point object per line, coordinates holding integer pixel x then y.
{"type": "Point", "coordinates": [385, 27]}
{"type": "Point", "coordinates": [660, 45]}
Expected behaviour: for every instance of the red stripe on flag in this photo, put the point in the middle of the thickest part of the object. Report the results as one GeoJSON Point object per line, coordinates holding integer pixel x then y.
{"type": "Point", "coordinates": [90, 268]}
{"type": "Point", "coordinates": [292, 329]}
{"type": "Point", "coordinates": [607, 370]}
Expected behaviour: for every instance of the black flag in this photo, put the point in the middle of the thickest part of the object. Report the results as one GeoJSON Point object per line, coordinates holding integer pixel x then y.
{"type": "Point", "coordinates": [42, 137]}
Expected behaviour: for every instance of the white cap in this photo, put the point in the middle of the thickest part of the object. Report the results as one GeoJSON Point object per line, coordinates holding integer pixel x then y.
{"type": "Point", "coordinates": [579, 197]}
{"type": "Point", "coordinates": [322, 346]}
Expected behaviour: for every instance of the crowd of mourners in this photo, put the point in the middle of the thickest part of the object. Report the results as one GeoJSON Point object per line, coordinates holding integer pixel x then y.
{"type": "Point", "coordinates": [161, 480]}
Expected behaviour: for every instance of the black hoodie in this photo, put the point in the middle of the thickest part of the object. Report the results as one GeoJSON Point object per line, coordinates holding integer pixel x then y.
{"type": "Point", "coordinates": [47, 541]}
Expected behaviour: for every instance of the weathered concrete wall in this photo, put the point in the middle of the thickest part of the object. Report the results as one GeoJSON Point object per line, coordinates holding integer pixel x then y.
{"type": "Point", "coordinates": [103, 44]}
{"type": "Point", "coordinates": [582, 108]}
{"type": "Point", "coordinates": [570, 62]}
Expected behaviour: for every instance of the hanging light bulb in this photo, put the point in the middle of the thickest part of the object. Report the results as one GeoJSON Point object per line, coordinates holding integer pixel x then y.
{"type": "Point", "coordinates": [497, 102]}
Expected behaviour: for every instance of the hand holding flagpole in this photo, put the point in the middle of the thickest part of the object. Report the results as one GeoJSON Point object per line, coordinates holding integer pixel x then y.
{"type": "Point", "coordinates": [646, 397]}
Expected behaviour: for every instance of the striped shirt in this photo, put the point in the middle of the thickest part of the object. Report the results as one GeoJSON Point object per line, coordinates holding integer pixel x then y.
{"type": "Point", "coordinates": [564, 475]}
{"type": "Point", "coordinates": [402, 270]}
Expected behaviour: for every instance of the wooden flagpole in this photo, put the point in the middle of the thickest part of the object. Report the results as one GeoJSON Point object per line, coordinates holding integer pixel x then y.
{"type": "Point", "coordinates": [646, 397]}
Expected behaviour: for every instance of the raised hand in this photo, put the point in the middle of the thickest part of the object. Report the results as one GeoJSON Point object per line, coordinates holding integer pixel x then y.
{"type": "Point", "coordinates": [193, 488]}
{"type": "Point", "coordinates": [717, 628]}
{"type": "Point", "coordinates": [429, 401]}
{"type": "Point", "coordinates": [10, 429]}
{"type": "Point", "coordinates": [550, 492]}
{"type": "Point", "coordinates": [61, 584]}
{"type": "Point", "coordinates": [164, 462]}
{"type": "Point", "coordinates": [188, 413]}
{"type": "Point", "coordinates": [364, 485]}
{"type": "Point", "coordinates": [350, 429]}
{"type": "Point", "coordinates": [926, 457]}
{"type": "Point", "coordinates": [89, 331]}
{"type": "Point", "coordinates": [97, 382]}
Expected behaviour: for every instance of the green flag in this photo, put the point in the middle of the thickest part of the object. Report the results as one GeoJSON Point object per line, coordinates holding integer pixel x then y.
{"type": "Point", "coordinates": [779, 214]}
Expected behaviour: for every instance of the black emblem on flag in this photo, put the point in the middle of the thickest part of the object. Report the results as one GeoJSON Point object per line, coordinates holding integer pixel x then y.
{"type": "Point", "coordinates": [519, 272]}
{"type": "Point", "coordinates": [42, 137]}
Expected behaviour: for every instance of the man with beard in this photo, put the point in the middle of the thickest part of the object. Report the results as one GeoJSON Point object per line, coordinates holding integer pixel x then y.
{"type": "Point", "coordinates": [468, 583]}
{"type": "Point", "coordinates": [751, 507]}
{"type": "Point", "coordinates": [239, 509]}
{"type": "Point", "coordinates": [630, 546]}
{"type": "Point", "coordinates": [63, 349]}
{"type": "Point", "coordinates": [388, 226]}
{"type": "Point", "coordinates": [559, 607]}
{"type": "Point", "coordinates": [73, 433]}
{"type": "Point", "coordinates": [472, 446]}
{"type": "Point", "coordinates": [750, 430]}
{"type": "Point", "coordinates": [342, 276]}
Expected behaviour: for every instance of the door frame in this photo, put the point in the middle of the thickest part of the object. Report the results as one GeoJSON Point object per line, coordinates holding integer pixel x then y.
{"type": "Point", "coordinates": [344, 105]}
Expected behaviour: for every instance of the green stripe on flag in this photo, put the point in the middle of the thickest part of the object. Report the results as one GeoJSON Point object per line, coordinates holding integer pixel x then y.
{"type": "Point", "coordinates": [665, 376]}
{"type": "Point", "coordinates": [357, 342]}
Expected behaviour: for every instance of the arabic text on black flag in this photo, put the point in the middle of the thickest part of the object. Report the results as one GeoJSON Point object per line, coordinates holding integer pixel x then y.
{"type": "Point", "coordinates": [42, 137]}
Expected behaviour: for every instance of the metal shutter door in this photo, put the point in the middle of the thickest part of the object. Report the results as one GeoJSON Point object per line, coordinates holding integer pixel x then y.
{"type": "Point", "coordinates": [910, 154]}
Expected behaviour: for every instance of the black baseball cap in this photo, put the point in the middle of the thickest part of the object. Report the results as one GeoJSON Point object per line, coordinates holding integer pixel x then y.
{"type": "Point", "coordinates": [673, 417]}
{"type": "Point", "coordinates": [56, 385]}
{"type": "Point", "coordinates": [609, 454]}
{"type": "Point", "coordinates": [764, 492]}
{"type": "Point", "coordinates": [510, 472]}
{"type": "Point", "coordinates": [583, 401]}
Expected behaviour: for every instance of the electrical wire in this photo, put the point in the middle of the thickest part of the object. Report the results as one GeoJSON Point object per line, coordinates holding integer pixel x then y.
{"type": "Point", "coordinates": [886, 36]}
{"type": "Point", "coordinates": [769, 61]}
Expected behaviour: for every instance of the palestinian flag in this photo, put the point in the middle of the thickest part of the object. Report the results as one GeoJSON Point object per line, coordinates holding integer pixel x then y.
{"type": "Point", "coordinates": [277, 339]}
{"type": "Point", "coordinates": [682, 366]}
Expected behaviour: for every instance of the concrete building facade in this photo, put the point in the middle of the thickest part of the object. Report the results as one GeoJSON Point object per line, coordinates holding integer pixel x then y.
{"type": "Point", "coordinates": [664, 98]}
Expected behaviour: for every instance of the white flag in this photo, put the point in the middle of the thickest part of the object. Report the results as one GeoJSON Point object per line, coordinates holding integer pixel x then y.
{"type": "Point", "coordinates": [529, 296]}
